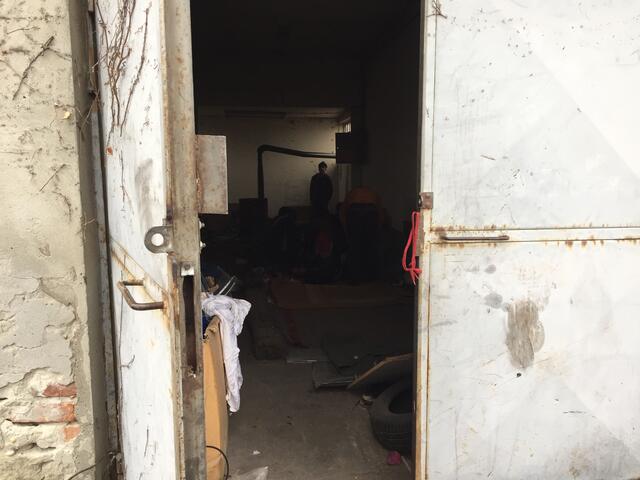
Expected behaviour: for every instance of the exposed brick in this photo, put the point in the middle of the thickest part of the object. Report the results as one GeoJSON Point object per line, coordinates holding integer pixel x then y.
{"type": "Point", "coordinates": [71, 432]}
{"type": "Point", "coordinates": [57, 390]}
{"type": "Point", "coordinates": [59, 412]}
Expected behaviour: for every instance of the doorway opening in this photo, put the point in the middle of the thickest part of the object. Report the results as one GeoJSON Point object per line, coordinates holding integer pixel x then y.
{"type": "Point", "coordinates": [289, 91]}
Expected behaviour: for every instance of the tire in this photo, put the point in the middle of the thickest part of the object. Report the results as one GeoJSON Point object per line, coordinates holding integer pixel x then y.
{"type": "Point", "coordinates": [392, 417]}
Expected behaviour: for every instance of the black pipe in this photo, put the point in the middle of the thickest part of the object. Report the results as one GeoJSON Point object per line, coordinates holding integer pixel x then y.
{"type": "Point", "coordinates": [286, 151]}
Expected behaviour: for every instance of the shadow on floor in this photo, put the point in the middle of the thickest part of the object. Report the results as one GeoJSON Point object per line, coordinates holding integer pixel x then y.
{"type": "Point", "coordinates": [302, 433]}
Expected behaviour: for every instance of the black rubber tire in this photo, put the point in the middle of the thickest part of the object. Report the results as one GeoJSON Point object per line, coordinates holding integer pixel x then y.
{"type": "Point", "coordinates": [393, 429]}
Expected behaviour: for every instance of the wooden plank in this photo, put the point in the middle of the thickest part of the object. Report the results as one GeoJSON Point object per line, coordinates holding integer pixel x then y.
{"type": "Point", "coordinates": [387, 371]}
{"type": "Point", "coordinates": [215, 402]}
{"type": "Point", "coordinates": [292, 295]}
{"type": "Point", "coordinates": [326, 375]}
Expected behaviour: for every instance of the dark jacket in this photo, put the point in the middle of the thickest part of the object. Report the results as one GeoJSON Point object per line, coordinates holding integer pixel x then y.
{"type": "Point", "coordinates": [320, 190]}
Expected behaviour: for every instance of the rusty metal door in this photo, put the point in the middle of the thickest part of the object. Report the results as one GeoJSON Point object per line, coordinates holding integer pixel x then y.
{"type": "Point", "coordinates": [145, 84]}
{"type": "Point", "coordinates": [528, 333]}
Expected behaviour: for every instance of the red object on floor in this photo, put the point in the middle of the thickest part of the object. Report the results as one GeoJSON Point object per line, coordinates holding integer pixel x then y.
{"type": "Point", "coordinates": [412, 242]}
{"type": "Point", "coordinates": [394, 458]}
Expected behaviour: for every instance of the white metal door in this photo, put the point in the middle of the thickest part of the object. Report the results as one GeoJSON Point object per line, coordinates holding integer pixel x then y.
{"type": "Point", "coordinates": [148, 140]}
{"type": "Point", "coordinates": [528, 332]}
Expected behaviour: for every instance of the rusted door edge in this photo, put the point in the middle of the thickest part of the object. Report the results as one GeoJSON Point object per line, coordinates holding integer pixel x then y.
{"type": "Point", "coordinates": [428, 25]}
{"type": "Point", "coordinates": [182, 213]}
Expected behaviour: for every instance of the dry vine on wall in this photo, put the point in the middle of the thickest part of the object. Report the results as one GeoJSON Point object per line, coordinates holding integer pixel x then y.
{"type": "Point", "coordinates": [116, 41]}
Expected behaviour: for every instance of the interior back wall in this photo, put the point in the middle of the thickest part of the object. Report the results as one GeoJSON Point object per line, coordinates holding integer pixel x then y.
{"type": "Point", "coordinates": [286, 178]}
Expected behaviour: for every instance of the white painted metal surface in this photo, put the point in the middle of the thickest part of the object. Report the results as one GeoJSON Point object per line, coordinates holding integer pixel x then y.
{"type": "Point", "coordinates": [535, 107]}
{"type": "Point", "coordinates": [211, 155]}
{"type": "Point", "coordinates": [527, 348]}
{"type": "Point", "coordinates": [134, 138]}
{"type": "Point", "coordinates": [132, 75]}
{"type": "Point", "coordinates": [148, 391]}
{"type": "Point", "coordinates": [534, 361]}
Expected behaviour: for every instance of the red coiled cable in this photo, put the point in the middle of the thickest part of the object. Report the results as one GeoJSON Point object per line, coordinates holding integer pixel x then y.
{"type": "Point", "coordinates": [412, 242]}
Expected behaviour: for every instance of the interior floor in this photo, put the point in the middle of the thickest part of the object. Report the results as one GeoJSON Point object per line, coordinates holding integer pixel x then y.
{"type": "Point", "coordinates": [300, 432]}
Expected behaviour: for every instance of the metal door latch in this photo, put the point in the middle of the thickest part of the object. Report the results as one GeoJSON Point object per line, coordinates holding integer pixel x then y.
{"type": "Point", "coordinates": [492, 238]}
{"type": "Point", "coordinates": [126, 294]}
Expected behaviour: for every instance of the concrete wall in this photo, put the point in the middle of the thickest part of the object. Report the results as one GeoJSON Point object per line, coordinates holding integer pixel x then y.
{"type": "Point", "coordinates": [52, 417]}
{"type": "Point", "coordinates": [391, 122]}
{"type": "Point", "coordinates": [286, 178]}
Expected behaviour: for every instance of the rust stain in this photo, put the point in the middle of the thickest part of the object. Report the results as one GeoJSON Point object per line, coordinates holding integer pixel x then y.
{"type": "Point", "coordinates": [121, 263]}
{"type": "Point", "coordinates": [121, 258]}
{"type": "Point", "coordinates": [464, 228]}
{"type": "Point", "coordinates": [583, 243]}
{"type": "Point", "coordinates": [575, 473]}
{"type": "Point", "coordinates": [568, 243]}
{"type": "Point", "coordinates": [166, 313]}
{"type": "Point", "coordinates": [525, 333]}
{"type": "Point", "coordinates": [633, 240]}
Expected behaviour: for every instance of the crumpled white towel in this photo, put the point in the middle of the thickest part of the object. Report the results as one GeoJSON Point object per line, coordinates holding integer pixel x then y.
{"type": "Point", "coordinates": [231, 312]}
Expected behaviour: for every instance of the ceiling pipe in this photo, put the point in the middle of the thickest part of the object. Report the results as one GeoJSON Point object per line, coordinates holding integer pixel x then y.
{"type": "Point", "coordinates": [285, 151]}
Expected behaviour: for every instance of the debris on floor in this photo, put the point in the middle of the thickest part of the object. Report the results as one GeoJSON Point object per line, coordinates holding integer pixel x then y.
{"type": "Point", "coordinates": [257, 474]}
{"type": "Point", "coordinates": [394, 458]}
{"type": "Point", "coordinates": [307, 314]}
{"type": "Point", "coordinates": [392, 417]}
{"type": "Point", "coordinates": [268, 341]}
{"type": "Point", "coordinates": [367, 400]}
{"type": "Point", "coordinates": [321, 433]}
{"type": "Point", "coordinates": [326, 375]}
{"type": "Point", "coordinates": [389, 370]}
{"type": "Point", "coordinates": [231, 312]}
{"type": "Point", "coordinates": [306, 355]}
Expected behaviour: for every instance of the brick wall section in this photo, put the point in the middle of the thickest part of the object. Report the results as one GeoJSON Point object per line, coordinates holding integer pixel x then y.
{"type": "Point", "coordinates": [47, 426]}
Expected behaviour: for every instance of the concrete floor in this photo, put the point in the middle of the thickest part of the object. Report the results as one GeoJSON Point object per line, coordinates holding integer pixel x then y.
{"type": "Point", "coordinates": [302, 433]}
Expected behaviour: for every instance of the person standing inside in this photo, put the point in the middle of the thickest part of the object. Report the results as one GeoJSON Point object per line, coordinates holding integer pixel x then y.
{"type": "Point", "coordinates": [320, 191]}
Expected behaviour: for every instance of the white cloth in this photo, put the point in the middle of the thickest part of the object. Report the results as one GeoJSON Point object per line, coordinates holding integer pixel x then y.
{"type": "Point", "coordinates": [231, 312]}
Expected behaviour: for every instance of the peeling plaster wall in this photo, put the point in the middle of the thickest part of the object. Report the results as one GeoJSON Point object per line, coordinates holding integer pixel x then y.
{"type": "Point", "coordinates": [52, 414]}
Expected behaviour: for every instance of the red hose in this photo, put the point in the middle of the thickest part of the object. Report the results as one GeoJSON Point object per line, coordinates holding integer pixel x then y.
{"type": "Point", "coordinates": [412, 242]}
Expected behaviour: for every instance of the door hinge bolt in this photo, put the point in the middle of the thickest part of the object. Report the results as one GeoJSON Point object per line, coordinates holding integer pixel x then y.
{"type": "Point", "coordinates": [187, 269]}
{"type": "Point", "coordinates": [202, 245]}
{"type": "Point", "coordinates": [425, 201]}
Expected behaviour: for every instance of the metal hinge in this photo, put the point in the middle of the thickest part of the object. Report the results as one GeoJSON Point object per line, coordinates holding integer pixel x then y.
{"type": "Point", "coordinates": [425, 201]}
{"type": "Point", "coordinates": [159, 239]}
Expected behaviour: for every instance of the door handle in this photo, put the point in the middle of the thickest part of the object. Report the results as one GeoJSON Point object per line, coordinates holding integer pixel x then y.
{"type": "Point", "coordinates": [123, 287]}
{"type": "Point", "coordinates": [495, 238]}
